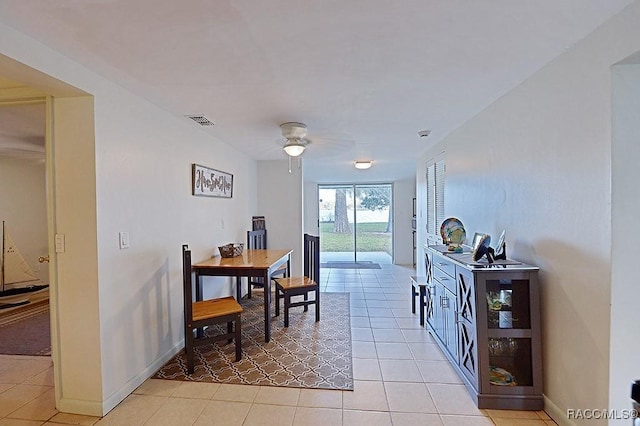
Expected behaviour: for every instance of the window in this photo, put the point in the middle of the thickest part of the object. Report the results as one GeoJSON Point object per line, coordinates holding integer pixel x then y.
{"type": "Point", "coordinates": [435, 198]}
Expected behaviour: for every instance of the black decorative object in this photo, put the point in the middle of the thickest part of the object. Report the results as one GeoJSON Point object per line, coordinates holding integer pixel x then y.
{"type": "Point", "coordinates": [481, 247]}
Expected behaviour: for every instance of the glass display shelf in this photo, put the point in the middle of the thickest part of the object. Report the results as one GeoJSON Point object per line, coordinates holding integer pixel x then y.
{"type": "Point", "coordinates": [510, 362]}
{"type": "Point", "coordinates": [508, 304]}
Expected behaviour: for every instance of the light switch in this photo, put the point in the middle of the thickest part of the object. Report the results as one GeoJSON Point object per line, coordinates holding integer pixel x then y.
{"type": "Point", "coordinates": [59, 243]}
{"type": "Point", "coordinates": [124, 240]}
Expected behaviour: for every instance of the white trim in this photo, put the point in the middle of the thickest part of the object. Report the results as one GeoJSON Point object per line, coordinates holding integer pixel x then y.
{"type": "Point", "coordinates": [79, 406]}
{"type": "Point", "coordinates": [556, 413]}
{"type": "Point", "coordinates": [119, 395]}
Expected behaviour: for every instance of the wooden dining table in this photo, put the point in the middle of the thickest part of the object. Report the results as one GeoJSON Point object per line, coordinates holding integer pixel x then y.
{"type": "Point", "coordinates": [252, 263]}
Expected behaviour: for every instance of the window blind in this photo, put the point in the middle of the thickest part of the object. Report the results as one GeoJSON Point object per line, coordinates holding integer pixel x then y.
{"type": "Point", "coordinates": [435, 196]}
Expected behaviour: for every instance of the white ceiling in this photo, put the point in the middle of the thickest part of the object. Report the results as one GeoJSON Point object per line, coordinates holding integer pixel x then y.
{"type": "Point", "coordinates": [22, 128]}
{"type": "Point", "coordinates": [364, 75]}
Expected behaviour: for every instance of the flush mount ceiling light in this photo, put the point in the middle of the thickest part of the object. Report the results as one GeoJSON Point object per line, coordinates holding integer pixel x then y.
{"type": "Point", "coordinates": [362, 165]}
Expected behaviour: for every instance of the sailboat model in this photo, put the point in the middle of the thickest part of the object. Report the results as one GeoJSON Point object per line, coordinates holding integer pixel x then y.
{"type": "Point", "coordinates": [18, 283]}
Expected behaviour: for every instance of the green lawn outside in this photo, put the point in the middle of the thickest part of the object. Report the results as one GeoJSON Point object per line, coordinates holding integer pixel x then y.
{"type": "Point", "coordinates": [371, 237]}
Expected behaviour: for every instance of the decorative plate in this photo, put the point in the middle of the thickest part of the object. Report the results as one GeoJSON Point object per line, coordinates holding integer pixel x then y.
{"type": "Point", "coordinates": [481, 244]}
{"type": "Point", "coordinates": [501, 377]}
{"type": "Point", "coordinates": [452, 231]}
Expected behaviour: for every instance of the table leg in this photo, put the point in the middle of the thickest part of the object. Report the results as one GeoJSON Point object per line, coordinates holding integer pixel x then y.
{"type": "Point", "coordinates": [267, 307]}
{"type": "Point", "coordinates": [238, 288]}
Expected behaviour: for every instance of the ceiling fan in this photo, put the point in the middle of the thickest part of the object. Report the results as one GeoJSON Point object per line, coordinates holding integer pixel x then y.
{"type": "Point", "coordinates": [297, 140]}
{"type": "Point", "coordinates": [294, 133]}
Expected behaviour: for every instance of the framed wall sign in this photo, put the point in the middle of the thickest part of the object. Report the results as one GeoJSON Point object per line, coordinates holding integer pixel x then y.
{"type": "Point", "coordinates": [209, 182]}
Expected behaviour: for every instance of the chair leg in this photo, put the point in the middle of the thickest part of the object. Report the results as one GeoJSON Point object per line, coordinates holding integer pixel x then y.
{"type": "Point", "coordinates": [277, 301]}
{"type": "Point", "coordinates": [413, 299]}
{"type": "Point", "coordinates": [188, 349]}
{"type": "Point", "coordinates": [306, 298]}
{"type": "Point", "coordinates": [318, 304]}
{"type": "Point", "coordinates": [238, 338]}
{"type": "Point", "coordinates": [423, 303]}
{"type": "Point", "coordinates": [287, 302]}
{"type": "Point", "coordinates": [249, 288]}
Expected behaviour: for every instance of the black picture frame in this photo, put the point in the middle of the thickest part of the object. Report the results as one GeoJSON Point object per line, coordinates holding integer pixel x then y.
{"type": "Point", "coordinates": [208, 182]}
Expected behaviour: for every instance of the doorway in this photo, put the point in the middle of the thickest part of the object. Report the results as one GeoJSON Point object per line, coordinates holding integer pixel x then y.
{"type": "Point", "coordinates": [356, 226]}
{"type": "Point", "coordinates": [24, 281]}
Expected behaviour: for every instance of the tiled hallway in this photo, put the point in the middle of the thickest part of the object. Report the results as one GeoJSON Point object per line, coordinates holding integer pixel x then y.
{"type": "Point", "coordinates": [401, 378]}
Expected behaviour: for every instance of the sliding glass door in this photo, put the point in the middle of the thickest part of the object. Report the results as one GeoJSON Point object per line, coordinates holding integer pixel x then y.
{"type": "Point", "coordinates": [356, 223]}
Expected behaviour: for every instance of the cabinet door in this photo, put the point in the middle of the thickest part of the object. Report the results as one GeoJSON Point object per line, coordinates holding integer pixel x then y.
{"type": "Point", "coordinates": [466, 325]}
{"type": "Point", "coordinates": [468, 351]}
{"type": "Point", "coordinates": [448, 302]}
{"type": "Point", "coordinates": [431, 295]}
{"type": "Point", "coordinates": [466, 298]}
{"type": "Point", "coordinates": [428, 263]}
{"type": "Point", "coordinates": [510, 338]}
{"type": "Point", "coordinates": [437, 317]}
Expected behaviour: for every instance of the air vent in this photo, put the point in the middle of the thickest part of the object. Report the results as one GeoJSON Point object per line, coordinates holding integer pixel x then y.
{"type": "Point", "coordinates": [201, 120]}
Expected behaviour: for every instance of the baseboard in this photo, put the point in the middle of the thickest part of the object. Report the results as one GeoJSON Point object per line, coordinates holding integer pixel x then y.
{"type": "Point", "coordinates": [558, 415]}
{"type": "Point", "coordinates": [76, 406]}
{"type": "Point", "coordinates": [118, 396]}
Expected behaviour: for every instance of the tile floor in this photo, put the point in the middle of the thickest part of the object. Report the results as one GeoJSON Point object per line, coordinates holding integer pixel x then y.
{"type": "Point", "coordinates": [400, 377]}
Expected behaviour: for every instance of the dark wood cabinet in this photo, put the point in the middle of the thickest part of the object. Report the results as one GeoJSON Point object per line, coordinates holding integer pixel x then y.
{"type": "Point", "coordinates": [486, 319]}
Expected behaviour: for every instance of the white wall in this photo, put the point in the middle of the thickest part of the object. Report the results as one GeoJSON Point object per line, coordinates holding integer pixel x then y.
{"type": "Point", "coordinates": [403, 193]}
{"type": "Point", "coordinates": [311, 213]}
{"type": "Point", "coordinates": [133, 174]}
{"type": "Point", "coordinates": [23, 208]}
{"type": "Point", "coordinates": [624, 348]}
{"type": "Point", "coordinates": [144, 180]}
{"type": "Point", "coordinates": [280, 201]}
{"type": "Point", "coordinates": [77, 342]}
{"type": "Point", "coordinates": [537, 163]}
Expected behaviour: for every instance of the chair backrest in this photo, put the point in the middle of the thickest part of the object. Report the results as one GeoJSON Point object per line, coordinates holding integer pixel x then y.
{"type": "Point", "coordinates": [186, 281]}
{"type": "Point", "coordinates": [257, 239]}
{"type": "Point", "coordinates": [311, 253]}
{"type": "Point", "coordinates": [258, 223]}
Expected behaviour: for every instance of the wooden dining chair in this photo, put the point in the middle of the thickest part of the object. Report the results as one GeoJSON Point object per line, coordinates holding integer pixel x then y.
{"type": "Point", "coordinates": [258, 222]}
{"type": "Point", "coordinates": [288, 287]}
{"type": "Point", "coordinates": [199, 314]}
{"type": "Point", "coordinates": [257, 239]}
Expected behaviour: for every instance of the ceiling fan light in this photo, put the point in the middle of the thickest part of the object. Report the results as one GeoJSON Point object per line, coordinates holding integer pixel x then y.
{"type": "Point", "coordinates": [294, 148]}
{"type": "Point", "coordinates": [363, 165]}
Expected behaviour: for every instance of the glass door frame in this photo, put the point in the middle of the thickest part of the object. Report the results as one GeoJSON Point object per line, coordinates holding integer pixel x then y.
{"type": "Point", "coordinates": [353, 187]}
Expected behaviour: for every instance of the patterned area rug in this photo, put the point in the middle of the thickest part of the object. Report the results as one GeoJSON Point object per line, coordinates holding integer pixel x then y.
{"type": "Point", "coordinates": [26, 330]}
{"type": "Point", "coordinates": [305, 355]}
